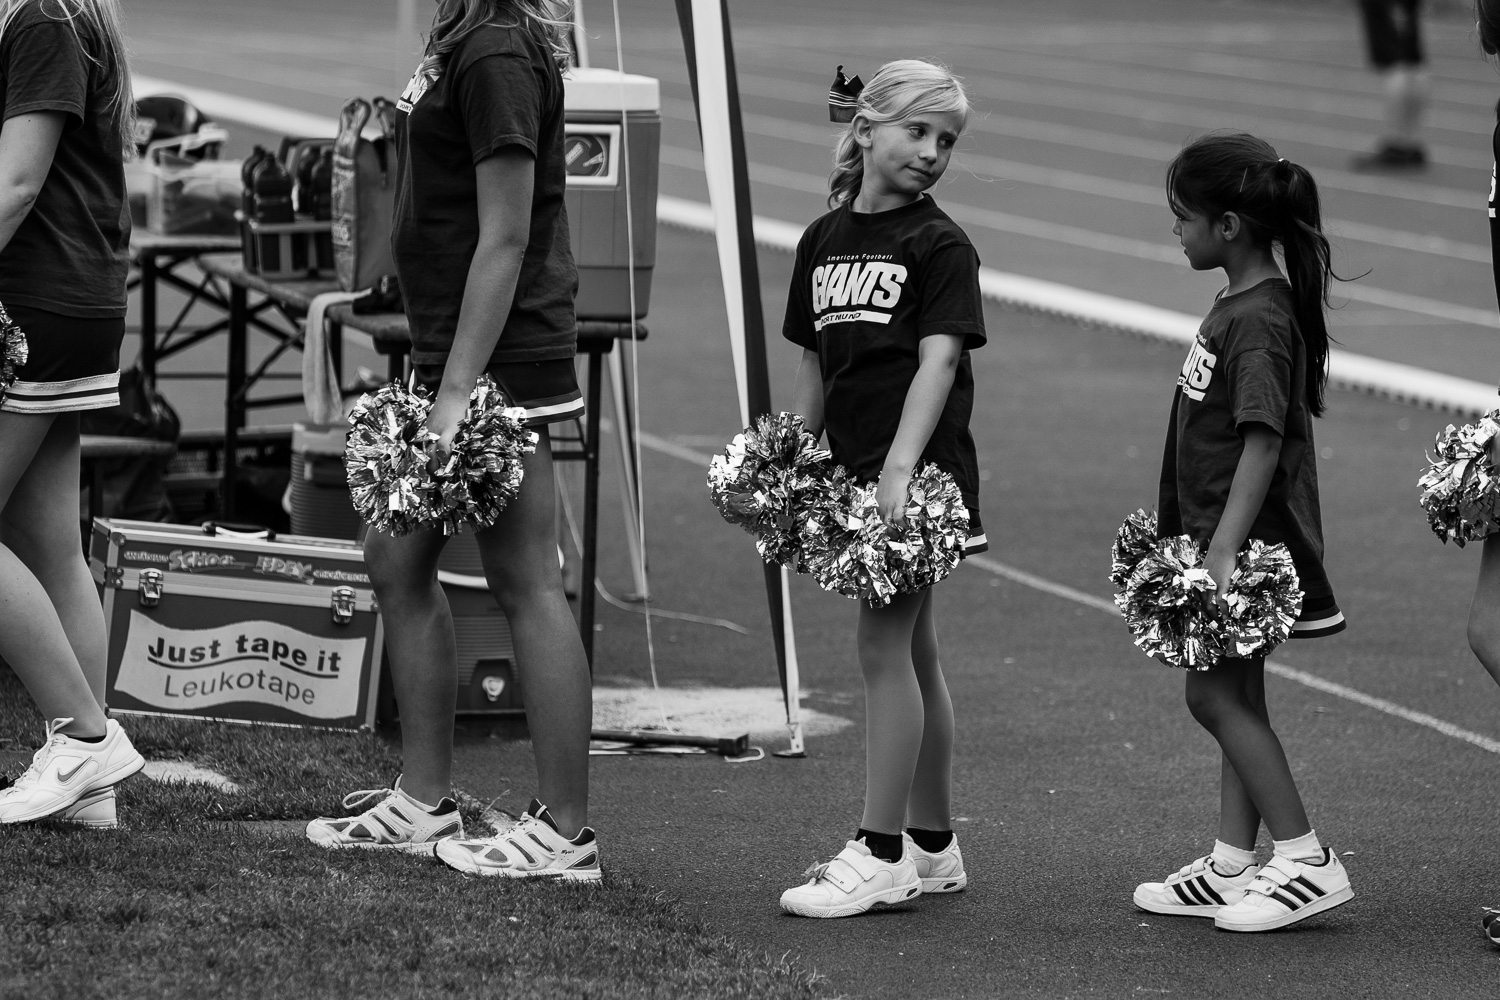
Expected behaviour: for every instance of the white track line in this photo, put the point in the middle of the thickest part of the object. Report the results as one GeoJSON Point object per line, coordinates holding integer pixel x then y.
{"type": "Point", "coordinates": [1025, 579]}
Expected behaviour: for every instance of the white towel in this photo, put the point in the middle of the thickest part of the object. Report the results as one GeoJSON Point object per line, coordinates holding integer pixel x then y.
{"type": "Point", "coordinates": [320, 383]}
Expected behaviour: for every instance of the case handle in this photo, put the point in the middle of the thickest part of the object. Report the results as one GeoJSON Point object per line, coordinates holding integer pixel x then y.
{"type": "Point", "coordinates": [233, 529]}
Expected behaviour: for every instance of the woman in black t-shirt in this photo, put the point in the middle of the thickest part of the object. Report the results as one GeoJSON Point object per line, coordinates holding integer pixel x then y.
{"type": "Point", "coordinates": [481, 248]}
{"type": "Point", "coordinates": [1484, 611]}
{"type": "Point", "coordinates": [64, 251]}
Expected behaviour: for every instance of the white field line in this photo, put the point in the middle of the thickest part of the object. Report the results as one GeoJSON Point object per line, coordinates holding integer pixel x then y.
{"type": "Point", "coordinates": [1405, 383]}
{"type": "Point", "coordinates": [1025, 579]}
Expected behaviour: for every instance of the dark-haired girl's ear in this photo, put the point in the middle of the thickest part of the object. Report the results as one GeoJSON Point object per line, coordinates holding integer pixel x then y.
{"type": "Point", "coordinates": [1230, 226]}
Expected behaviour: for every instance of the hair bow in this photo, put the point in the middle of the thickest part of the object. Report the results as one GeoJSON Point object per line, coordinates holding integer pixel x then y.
{"type": "Point", "coordinates": [843, 97]}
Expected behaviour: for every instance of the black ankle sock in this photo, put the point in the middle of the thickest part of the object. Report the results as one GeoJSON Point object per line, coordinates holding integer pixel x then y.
{"type": "Point", "coordinates": [885, 846]}
{"type": "Point", "coordinates": [931, 841]}
{"type": "Point", "coordinates": [87, 739]}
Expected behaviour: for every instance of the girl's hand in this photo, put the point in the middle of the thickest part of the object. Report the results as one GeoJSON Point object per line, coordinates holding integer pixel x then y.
{"type": "Point", "coordinates": [1220, 566]}
{"type": "Point", "coordinates": [891, 495]}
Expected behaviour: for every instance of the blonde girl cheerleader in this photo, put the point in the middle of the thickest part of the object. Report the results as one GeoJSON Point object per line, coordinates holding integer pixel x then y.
{"type": "Point", "coordinates": [481, 248]}
{"type": "Point", "coordinates": [885, 305]}
{"type": "Point", "coordinates": [1240, 463]}
{"type": "Point", "coordinates": [1484, 611]}
{"type": "Point", "coordinates": [64, 255]}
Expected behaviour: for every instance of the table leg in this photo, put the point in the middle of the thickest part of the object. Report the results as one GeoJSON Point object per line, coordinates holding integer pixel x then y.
{"type": "Point", "coordinates": [148, 315]}
{"type": "Point", "coordinates": [336, 352]}
{"type": "Point", "coordinates": [234, 394]}
{"type": "Point", "coordinates": [590, 506]}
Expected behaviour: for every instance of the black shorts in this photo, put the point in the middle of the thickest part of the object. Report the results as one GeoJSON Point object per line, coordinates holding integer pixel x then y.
{"type": "Point", "coordinates": [547, 390]}
{"type": "Point", "coordinates": [1392, 32]}
{"type": "Point", "coordinates": [72, 364]}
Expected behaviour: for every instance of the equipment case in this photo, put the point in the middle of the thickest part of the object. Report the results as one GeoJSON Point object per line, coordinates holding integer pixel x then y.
{"type": "Point", "coordinates": [212, 624]}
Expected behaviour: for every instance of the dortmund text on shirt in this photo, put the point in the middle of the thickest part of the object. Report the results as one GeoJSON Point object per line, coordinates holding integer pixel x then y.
{"type": "Point", "coordinates": [840, 286]}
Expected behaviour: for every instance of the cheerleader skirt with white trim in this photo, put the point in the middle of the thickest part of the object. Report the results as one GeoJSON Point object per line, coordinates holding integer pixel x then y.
{"type": "Point", "coordinates": [72, 364]}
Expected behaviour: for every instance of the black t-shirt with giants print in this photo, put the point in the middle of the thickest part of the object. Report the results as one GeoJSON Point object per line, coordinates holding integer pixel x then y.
{"type": "Point", "coordinates": [866, 288]}
{"type": "Point", "coordinates": [1248, 365]}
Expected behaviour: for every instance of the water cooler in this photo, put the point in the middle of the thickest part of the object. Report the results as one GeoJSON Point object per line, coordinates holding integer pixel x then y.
{"type": "Point", "coordinates": [608, 111]}
{"type": "Point", "coordinates": [320, 502]}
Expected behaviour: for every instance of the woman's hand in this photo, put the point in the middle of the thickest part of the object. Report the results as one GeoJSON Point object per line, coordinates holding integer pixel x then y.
{"type": "Point", "coordinates": [443, 420]}
{"type": "Point", "coordinates": [891, 495]}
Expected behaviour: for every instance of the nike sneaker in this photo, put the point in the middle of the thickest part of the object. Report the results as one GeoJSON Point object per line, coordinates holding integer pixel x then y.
{"type": "Point", "coordinates": [64, 770]}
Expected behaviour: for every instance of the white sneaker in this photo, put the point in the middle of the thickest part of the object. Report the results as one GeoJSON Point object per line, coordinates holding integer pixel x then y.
{"type": "Point", "coordinates": [532, 848]}
{"type": "Point", "coordinates": [1286, 891]}
{"type": "Point", "coordinates": [1196, 890]}
{"type": "Point", "coordinates": [942, 871]}
{"type": "Point", "coordinates": [96, 810]}
{"type": "Point", "coordinates": [64, 770]}
{"type": "Point", "coordinates": [396, 822]}
{"type": "Point", "coordinates": [853, 882]}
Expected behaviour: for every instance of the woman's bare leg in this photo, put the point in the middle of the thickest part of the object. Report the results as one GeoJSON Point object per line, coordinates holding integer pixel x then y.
{"type": "Point", "coordinates": [519, 552]}
{"type": "Point", "coordinates": [39, 497]}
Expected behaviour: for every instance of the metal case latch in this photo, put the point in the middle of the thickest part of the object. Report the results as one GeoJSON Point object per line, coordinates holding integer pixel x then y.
{"type": "Point", "coordinates": [343, 605]}
{"type": "Point", "coordinates": [152, 582]}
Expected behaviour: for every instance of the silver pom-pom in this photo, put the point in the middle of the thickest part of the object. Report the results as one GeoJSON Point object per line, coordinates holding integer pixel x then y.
{"type": "Point", "coordinates": [387, 460]}
{"type": "Point", "coordinates": [13, 352]}
{"type": "Point", "coordinates": [1168, 599]}
{"type": "Point", "coordinates": [1461, 488]}
{"type": "Point", "coordinates": [860, 556]}
{"type": "Point", "coordinates": [390, 461]}
{"type": "Point", "coordinates": [483, 472]}
{"type": "Point", "coordinates": [772, 477]}
{"type": "Point", "coordinates": [1135, 538]}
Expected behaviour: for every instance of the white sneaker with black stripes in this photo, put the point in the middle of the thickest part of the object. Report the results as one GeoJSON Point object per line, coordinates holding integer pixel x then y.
{"type": "Point", "coordinates": [533, 848]}
{"type": "Point", "coordinates": [1195, 890]}
{"type": "Point", "coordinates": [1286, 891]}
{"type": "Point", "coordinates": [394, 821]}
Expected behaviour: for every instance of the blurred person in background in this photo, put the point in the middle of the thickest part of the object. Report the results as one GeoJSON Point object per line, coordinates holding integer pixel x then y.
{"type": "Point", "coordinates": [1393, 37]}
{"type": "Point", "coordinates": [64, 255]}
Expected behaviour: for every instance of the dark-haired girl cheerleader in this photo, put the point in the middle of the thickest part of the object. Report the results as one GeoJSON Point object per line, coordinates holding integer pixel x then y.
{"type": "Point", "coordinates": [1239, 464]}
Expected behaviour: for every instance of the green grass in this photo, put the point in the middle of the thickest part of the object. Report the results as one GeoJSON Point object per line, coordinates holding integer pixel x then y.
{"type": "Point", "coordinates": [186, 901]}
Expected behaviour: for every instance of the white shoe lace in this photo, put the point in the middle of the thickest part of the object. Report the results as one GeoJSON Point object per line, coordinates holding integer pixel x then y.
{"type": "Point", "coordinates": [354, 800]}
{"type": "Point", "coordinates": [39, 759]}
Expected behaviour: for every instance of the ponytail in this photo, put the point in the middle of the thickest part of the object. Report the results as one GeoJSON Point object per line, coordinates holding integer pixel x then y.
{"type": "Point", "coordinates": [1487, 21]}
{"type": "Point", "coordinates": [900, 90]}
{"type": "Point", "coordinates": [1277, 201]}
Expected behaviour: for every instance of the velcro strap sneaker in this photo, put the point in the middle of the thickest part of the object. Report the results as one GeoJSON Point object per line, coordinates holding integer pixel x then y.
{"type": "Point", "coordinates": [853, 882]}
{"type": "Point", "coordinates": [1285, 892]}
{"type": "Point", "coordinates": [1194, 890]}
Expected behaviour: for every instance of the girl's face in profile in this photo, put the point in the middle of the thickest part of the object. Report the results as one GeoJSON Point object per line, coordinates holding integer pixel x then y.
{"type": "Point", "coordinates": [1200, 238]}
{"type": "Point", "coordinates": [908, 157]}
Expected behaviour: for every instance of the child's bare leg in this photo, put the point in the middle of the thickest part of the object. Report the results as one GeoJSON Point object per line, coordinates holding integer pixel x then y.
{"type": "Point", "coordinates": [1484, 612]}
{"type": "Point", "coordinates": [1218, 700]}
{"type": "Point", "coordinates": [928, 804]}
{"type": "Point", "coordinates": [893, 710]}
{"type": "Point", "coordinates": [1239, 820]}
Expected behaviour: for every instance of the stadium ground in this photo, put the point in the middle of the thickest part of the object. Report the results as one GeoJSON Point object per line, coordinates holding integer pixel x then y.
{"type": "Point", "coordinates": [1080, 774]}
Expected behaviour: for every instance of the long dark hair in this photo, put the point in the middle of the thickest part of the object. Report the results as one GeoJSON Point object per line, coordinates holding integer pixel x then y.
{"type": "Point", "coordinates": [455, 19]}
{"type": "Point", "coordinates": [1487, 14]}
{"type": "Point", "coordinates": [1277, 202]}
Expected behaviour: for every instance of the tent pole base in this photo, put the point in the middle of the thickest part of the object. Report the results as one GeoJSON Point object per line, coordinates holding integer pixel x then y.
{"type": "Point", "coordinates": [724, 746]}
{"type": "Point", "coordinates": [795, 747]}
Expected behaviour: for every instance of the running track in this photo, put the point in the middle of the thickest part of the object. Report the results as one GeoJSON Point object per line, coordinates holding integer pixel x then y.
{"type": "Point", "coordinates": [1079, 774]}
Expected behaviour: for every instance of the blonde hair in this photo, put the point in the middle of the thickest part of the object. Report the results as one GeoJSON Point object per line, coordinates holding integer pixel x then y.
{"type": "Point", "coordinates": [900, 90]}
{"type": "Point", "coordinates": [455, 19]}
{"type": "Point", "coordinates": [103, 17]}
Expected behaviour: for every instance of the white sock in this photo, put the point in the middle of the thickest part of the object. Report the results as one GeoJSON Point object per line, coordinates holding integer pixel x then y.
{"type": "Point", "coordinates": [1304, 848]}
{"type": "Point", "coordinates": [1229, 860]}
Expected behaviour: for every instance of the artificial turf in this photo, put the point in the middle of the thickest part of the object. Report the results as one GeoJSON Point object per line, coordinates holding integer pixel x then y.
{"type": "Point", "coordinates": [193, 897]}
